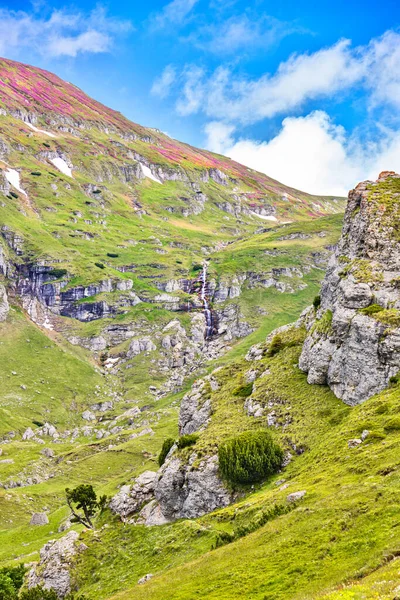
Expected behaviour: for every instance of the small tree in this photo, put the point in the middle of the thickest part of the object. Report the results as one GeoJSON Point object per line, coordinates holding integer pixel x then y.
{"type": "Point", "coordinates": [83, 498]}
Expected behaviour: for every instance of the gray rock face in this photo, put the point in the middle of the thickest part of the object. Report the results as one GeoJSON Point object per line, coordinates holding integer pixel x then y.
{"type": "Point", "coordinates": [52, 572]}
{"type": "Point", "coordinates": [130, 499]}
{"type": "Point", "coordinates": [4, 306]}
{"type": "Point", "coordinates": [186, 492]}
{"type": "Point", "coordinates": [195, 408]}
{"type": "Point", "coordinates": [351, 351]}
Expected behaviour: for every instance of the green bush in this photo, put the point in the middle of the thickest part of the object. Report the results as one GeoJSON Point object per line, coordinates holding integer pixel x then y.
{"type": "Point", "coordinates": [100, 265]}
{"type": "Point", "coordinates": [275, 346]}
{"type": "Point", "coordinates": [317, 302]}
{"type": "Point", "coordinates": [36, 173]}
{"type": "Point", "coordinates": [249, 457]}
{"type": "Point", "coordinates": [166, 447]}
{"type": "Point", "coordinates": [394, 380]}
{"type": "Point", "coordinates": [197, 267]}
{"type": "Point", "coordinates": [187, 440]}
{"type": "Point", "coordinates": [14, 195]}
{"type": "Point", "coordinates": [243, 391]}
{"type": "Point", "coordinates": [58, 273]}
{"type": "Point", "coordinates": [7, 588]}
{"type": "Point", "coordinates": [15, 574]}
{"type": "Point", "coordinates": [46, 144]}
{"type": "Point", "coordinates": [112, 254]}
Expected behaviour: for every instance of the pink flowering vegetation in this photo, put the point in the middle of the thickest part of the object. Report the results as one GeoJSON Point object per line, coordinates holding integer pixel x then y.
{"type": "Point", "coordinates": [109, 136]}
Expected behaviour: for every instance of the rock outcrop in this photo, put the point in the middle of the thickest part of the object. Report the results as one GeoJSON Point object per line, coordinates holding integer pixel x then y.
{"type": "Point", "coordinates": [4, 306]}
{"type": "Point", "coordinates": [183, 491]}
{"type": "Point", "coordinates": [131, 498]}
{"type": "Point", "coordinates": [353, 342]}
{"type": "Point", "coordinates": [53, 570]}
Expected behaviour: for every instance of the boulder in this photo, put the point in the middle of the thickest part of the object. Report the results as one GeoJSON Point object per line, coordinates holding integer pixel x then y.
{"type": "Point", "coordinates": [39, 519]}
{"type": "Point", "coordinates": [295, 496]}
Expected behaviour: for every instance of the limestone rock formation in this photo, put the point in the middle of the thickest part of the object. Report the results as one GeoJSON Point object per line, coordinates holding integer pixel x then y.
{"type": "Point", "coordinates": [183, 491]}
{"type": "Point", "coordinates": [131, 498]}
{"type": "Point", "coordinates": [353, 342]}
{"type": "Point", "coordinates": [4, 306]}
{"type": "Point", "coordinates": [53, 570]}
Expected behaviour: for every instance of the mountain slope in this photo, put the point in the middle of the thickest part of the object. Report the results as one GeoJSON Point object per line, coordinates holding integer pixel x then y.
{"type": "Point", "coordinates": [131, 266]}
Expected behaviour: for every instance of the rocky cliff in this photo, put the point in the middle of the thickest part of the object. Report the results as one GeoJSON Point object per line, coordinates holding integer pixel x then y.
{"type": "Point", "coordinates": [353, 342]}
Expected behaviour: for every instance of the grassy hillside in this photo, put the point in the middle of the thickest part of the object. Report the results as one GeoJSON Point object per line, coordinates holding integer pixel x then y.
{"type": "Point", "coordinates": [122, 224]}
{"type": "Point", "coordinates": [337, 542]}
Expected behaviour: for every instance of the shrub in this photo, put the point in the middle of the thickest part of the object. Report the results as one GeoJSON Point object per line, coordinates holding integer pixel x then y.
{"type": "Point", "coordinates": [317, 302]}
{"type": "Point", "coordinates": [7, 589]}
{"type": "Point", "coordinates": [96, 191]}
{"type": "Point", "coordinates": [249, 457]}
{"type": "Point", "coordinates": [243, 391]}
{"type": "Point", "coordinates": [166, 447]}
{"type": "Point", "coordinates": [16, 574]}
{"type": "Point", "coordinates": [100, 265]}
{"type": "Point", "coordinates": [394, 380]}
{"type": "Point", "coordinates": [46, 144]}
{"type": "Point", "coordinates": [36, 173]}
{"type": "Point", "coordinates": [112, 254]}
{"type": "Point", "coordinates": [275, 346]}
{"type": "Point", "coordinates": [14, 195]}
{"type": "Point", "coordinates": [197, 267]}
{"type": "Point", "coordinates": [58, 273]}
{"type": "Point", "coordinates": [187, 440]}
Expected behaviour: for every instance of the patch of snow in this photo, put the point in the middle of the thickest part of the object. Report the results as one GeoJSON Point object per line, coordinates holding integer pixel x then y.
{"type": "Point", "coordinates": [12, 177]}
{"type": "Point", "coordinates": [147, 173]}
{"type": "Point", "coordinates": [265, 217]}
{"type": "Point", "coordinates": [61, 165]}
{"type": "Point", "coordinates": [41, 130]}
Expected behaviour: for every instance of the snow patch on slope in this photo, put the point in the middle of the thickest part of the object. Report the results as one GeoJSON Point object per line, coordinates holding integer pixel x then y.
{"type": "Point", "coordinates": [12, 177]}
{"type": "Point", "coordinates": [147, 173]}
{"type": "Point", "coordinates": [41, 130]}
{"type": "Point", "coordinates": [265, 217]}
{"type": "Point", "coordinates": [61, 165]}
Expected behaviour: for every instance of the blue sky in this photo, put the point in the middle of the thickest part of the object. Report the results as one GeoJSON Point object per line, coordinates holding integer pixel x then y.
{"type": "Point", "coordinates": [307, 92]}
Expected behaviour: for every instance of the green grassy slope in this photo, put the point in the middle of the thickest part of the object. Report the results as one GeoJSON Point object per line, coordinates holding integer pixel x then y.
{"type": "Point", "coordinates": [344, 529]}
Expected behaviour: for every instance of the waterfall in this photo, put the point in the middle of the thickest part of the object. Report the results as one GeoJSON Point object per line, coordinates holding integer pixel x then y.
{"type": "Point", "coordinates": [207, 311]}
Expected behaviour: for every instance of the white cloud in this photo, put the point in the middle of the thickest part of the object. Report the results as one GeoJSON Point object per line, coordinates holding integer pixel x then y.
{"type": "Point", "coordinates": [219, 136]}
{"type": "Point", "coordinates": [312, 154]}
{"type": "Point", "coordinates": [303, 77]}
{"type": "Point", "coordinates": [162, 85]}
{"type": "Point", "coordinates": [63, 33]}
{"type": "Point", "coordinates": [192, 91]}
{"type": "Point", "coordinates": [90, 41]}
{"type": "Point", "coordinates": [174, 13]}
{"type": "Point", "coordinates": [242, 32]}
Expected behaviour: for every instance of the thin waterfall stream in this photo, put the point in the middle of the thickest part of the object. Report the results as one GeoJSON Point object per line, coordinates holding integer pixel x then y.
{"type": "Point", "coordinates": [204, 297]}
